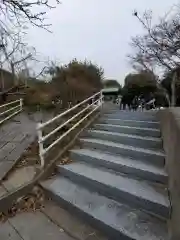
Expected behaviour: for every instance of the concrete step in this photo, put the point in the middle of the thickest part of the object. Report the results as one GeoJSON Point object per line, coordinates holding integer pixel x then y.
{"type": "Point", "coordinates": [138, 194]}
{"type": "Point", "coordinates": [150, 132]}
{"type": "Point", "coordinates": [115, 219]}
{"type": "Point", "coordinates": [131, 123]}
{"type": "Point", "coordinates": [132, 113]}
{"type": "Point", "coordinates": [119, 164]}
{"type": "Point", "coordinates": [156, 158]}
{"type": "Point", "coordinates": [131, 116]}
{"type": "Point", "coordinates": [71, 223]}
{"type": "Point", "coordinates": [129, 139]}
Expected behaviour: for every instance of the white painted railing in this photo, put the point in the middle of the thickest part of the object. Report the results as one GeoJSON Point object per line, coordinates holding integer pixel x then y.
{"type": "Point", "coordinates": [14, 108]}
{"type": "Point", "coordinates": [96, 102]}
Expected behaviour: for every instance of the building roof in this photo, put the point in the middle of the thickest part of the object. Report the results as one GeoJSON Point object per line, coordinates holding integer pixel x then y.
{"type": "Point", "coordinates": [110, 90]}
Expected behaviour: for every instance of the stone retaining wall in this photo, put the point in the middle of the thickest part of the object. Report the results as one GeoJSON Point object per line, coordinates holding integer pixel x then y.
{"type": "Point", "coordinates": [170, 128]}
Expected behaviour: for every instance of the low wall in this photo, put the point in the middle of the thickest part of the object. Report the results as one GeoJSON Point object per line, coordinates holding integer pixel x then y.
{"type": "Point", "coordinates": [170, 128]}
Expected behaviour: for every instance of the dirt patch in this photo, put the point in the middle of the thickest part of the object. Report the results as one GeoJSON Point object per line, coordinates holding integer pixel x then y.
{"type": "Point", "coordinates": [34, 201]}
{"type": "Point", "coordinates": [30, 156]}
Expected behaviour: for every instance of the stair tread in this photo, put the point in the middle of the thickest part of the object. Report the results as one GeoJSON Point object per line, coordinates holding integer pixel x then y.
{"type": "Point", "coordinates": [134, 187]}
{"type": "Point", "coordinates": [123, 120]}
{"type": "Point", "coordinates": [110, 143]}
{"type": "Point", "coordinates": [127, 116]}
{"type": "Point", "coordinates": [126, 135]}
{"type": "Point", "coordinates": [130, 222]}
{"type": "Point", "coordinates": [139, 114]}
{"type": "Point", "coordinates": [124, 161]}
{"type": "Point", "coordinates": [127, 127]}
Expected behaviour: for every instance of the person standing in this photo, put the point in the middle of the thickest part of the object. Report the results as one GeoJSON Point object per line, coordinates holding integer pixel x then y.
{"type": "Point", "coordinates": [135, 103]}
{"type": "Point", "coordinates": [122, 103]}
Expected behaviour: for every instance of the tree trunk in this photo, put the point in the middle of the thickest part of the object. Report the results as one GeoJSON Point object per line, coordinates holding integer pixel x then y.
{"type": "Point", "coordinates": [13, 74]}
{"type": "Point", "coordinates": [2, 79]}
{"type": "Point", "coordinates": [166, 94]}
{"type": "Point", "coordinates": [173, 91]}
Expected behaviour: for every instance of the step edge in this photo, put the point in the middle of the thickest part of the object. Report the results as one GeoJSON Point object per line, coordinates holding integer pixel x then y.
{"type": "Point", "coordinates": [128, 127]}
{"type": "Point", "coordinates": [122, 231]}
{"type": "Point", "coordinates": [62, 167]}
{"type": "Point", "coordinates": [148, 151]}
{"type": "Point", "coordinates": [78, 152]}
{"type": "Point", "coordinates": [125, 135]}
{"type": "Point", "coordinates": [124, 120]}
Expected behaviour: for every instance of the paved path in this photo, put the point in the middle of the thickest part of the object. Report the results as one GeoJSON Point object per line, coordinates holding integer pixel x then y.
{"type": "Point", "coordinates": [31, 226]}
{"type": "Point", "coordinates": [16, 135]}
{"type": "Point", "coordinates": [50, 223]}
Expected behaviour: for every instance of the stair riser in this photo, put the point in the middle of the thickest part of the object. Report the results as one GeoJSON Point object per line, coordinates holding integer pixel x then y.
{"type": "Point", "coordinates": [145, 175]}
{"type": "Point", "coordinates": [123, 112]}
{"type": "Point", "coordinates": [139, 132]}
{"type": "Point", "coordinates": [111, 232]}
{"type": "Point", "coordinates": [116, 194]}
{"type": "Point", "coordinates": [143, 143]}
{"type": "Point", "coordinates": [152, 158]}
{"type": "Point", "coordinates": [130, 117]}
{"type": "Point", "coordinates": [130, 124]}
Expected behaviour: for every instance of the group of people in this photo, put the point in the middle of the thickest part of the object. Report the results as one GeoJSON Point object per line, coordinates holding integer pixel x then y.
{"type": "Point", "coordinates": [136, 103]}
{"type": "Point", "coordinates": [130, 104]}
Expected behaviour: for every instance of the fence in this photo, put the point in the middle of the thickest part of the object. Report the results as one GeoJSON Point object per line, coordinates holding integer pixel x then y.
{"type": "Point", "coordinates": [13, 110]}
{"type": "Point", "coordinates": [96, 102]}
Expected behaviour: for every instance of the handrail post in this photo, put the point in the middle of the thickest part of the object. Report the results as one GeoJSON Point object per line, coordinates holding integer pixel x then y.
{"type": "Point", "coordinates": [96, 102]}
{"type": "Point", "coordinates": [101, 98]}
{"type": "Point", "coordinates": [21, 104]}
{"type": "Point", "coordinates": [41, 147]}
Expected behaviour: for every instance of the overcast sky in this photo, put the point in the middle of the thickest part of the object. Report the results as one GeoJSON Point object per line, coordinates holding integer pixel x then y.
{"type": "Point", "coordinates": [98, 30]}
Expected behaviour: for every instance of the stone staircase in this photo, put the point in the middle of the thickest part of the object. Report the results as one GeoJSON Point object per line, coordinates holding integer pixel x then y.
{"type": "Point", "coordinates": [117, 181]}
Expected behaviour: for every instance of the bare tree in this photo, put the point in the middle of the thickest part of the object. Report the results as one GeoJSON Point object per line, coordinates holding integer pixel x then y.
{"type": "Point", "coordinates": [14, 52]}
{"type": "Point", "coordinates": [18, 12]}
{"type": "Point", "coordinates": [159, 48]}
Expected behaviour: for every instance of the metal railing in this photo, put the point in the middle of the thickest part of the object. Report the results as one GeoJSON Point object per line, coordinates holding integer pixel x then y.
{"type": "Point", "coordinates": [13, 110]}
{"type": "Point", "coordinates": [96, 102]}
